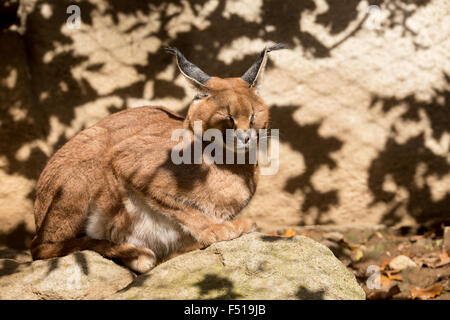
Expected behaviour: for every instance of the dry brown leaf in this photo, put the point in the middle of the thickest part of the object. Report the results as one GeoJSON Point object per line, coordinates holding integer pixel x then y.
{"type": "Point", "coordinates": [427, 293]}
{"type": "Point", "coordinates": [304, 234]}
{"type": "Point", "coordinates": [397, 277]}
{"type": "Point", "coordinates": [383, 295]}
{"type": "Point", "coordinates": [390, 272]}
{"type": "Point", "coordinates": [430, 260]}
{"type": "Point", "coordinates": [433, 260]}
{"type": "Point", "coordinates": [416, 237]}
{"type": "Point", "coordinates": [430, 234]}
{"type": "Point", "coordinates": [385, 264]}
{"type": "Point", "coordinates": [442, 263]}
{"type": "Point", "coordinates": [273, 233]}
{"type": "Point", "coordinates": [289, 233]}
{"type": "Point", "coordinates": [385, 281]}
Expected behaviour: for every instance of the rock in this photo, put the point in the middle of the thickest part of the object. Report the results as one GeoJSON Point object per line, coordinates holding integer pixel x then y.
{"type": "Point", "coordinates": [402, 262]}
{"type": "Point", "coordinates": [446, 244]}
{"type": "Point", "coordinates": [254, 266]}
{"type": "Point", "coordinates": [17, 255]}
{"type": "Point", "coordinates": [82, 275]}
{"type": "Point", "coordinates": [334, 236]}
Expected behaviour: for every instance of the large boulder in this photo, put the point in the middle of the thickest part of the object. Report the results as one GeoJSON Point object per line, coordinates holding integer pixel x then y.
{"type": "Point", "coordinates": [254, 266]}
{"type": "Point", "coordinates": [82, 275]}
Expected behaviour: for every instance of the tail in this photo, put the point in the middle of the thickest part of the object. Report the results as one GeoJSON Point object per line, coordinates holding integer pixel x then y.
{"type": "Point", "coordinates": [106, 248]}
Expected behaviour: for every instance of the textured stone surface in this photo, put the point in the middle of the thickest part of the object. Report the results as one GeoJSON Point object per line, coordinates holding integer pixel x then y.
{"type": "Point", "coordinates": [82, 275]}
{"type": "Point", "coordinates": [254, 266]}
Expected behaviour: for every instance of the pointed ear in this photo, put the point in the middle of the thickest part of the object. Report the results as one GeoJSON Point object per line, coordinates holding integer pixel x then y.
{"type": "Point", "coordinates": [253, 76]}
{"type": "Point", "coordinates": [196, 77]}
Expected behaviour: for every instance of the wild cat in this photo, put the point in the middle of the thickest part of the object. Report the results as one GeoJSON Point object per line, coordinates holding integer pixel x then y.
{"type": "Point", "coordinates": [114, 189]}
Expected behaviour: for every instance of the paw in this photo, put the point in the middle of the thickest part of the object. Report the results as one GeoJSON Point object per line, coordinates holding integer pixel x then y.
{"type": "Point", "coordinates": [144, 262]}
{"type": "Point", "coordinates": [244, 225]}
{"type": "Point", "coordinates": [218, 232]}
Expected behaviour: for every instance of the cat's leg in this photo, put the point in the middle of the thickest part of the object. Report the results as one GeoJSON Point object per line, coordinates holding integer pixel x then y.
{"type": "Point", "coordinates": [207, 230]}
{"type": "Point", "coordinates": [138, 259]}
{"type": "Point", "coordinates": [65, 220]}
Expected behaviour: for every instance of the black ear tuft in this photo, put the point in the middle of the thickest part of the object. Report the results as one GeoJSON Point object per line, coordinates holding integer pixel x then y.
{"type": "Point", "coordinates": [254, 74]}
{"type": "Point", "coordinates": [171, 50]}
{"type": "Point", "coordinates": [187, 68]}
{"type": "Point", "coordinates": [278, 46]}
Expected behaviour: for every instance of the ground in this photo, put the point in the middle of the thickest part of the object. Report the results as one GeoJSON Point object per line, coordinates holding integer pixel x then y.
{"type": "Point", "coordinates": [359, 248]}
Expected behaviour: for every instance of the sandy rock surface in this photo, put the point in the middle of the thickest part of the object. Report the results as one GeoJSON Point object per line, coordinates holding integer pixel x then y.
{"type": "Point", "coordinates": [254, 266]}
{"type": "Point", "coordinates": [82, 275]}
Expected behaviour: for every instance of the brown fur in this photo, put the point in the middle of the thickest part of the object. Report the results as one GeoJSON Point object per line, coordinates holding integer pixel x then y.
{"type": "Point", "coordinates": [127, 156]}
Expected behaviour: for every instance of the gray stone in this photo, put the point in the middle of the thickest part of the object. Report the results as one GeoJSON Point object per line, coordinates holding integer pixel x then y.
{"type": "Point", "coordinates": [402, 262]}
{"type": "Point", "coordinates": [254, 266]}
{"type": "Point", "coordinates": [82, 275]}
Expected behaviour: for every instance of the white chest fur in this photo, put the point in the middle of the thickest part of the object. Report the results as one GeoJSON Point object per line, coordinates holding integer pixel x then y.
{"type": "Point", "coordinates": [150, 228]}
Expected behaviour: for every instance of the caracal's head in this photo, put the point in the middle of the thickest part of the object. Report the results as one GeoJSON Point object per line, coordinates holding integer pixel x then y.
{"type": "Point", "coordinates": [227, 103]}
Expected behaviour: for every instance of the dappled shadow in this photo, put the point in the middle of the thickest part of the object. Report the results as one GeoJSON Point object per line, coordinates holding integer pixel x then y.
{"type": "Point", "coordinates": [316, 151]}
{"type": "Point", "coordinates": [411, 163]}
{"type": "Point", "coordinates": [275, 238]}
{"type": "Point", "coordinates": [53, 264]}
{"type": "Point", "coordinates": [80, 261]}
{"type": "Point", "coordinates": [399, 13]}
{"type": "Point", "coordinates": [56, 92]}
{"type": "Point", "coordinates": [13, 243]}
{"type": "Point", "coordinates": [8, 267]}
{"type": "Point", "coordinates": [8, 16]}
{"type": "Point", "coordinates": [306, 294]}
{"type": "Point", "coordinates": [212, 283]}
{"type": "Point", "coordinates": [19, 238]}
{"type": "Point", "coordinates": [138, 282]}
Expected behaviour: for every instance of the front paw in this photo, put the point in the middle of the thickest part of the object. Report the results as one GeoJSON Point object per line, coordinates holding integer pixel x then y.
{"type": "Point", "coordinates": [144, 261]}
{"type": "Point", "coordinates": [218, 232]}
{"type": "Point", "coordinates": [227, 230]}
{"type": "Point", "coordinates": [244, 225]}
